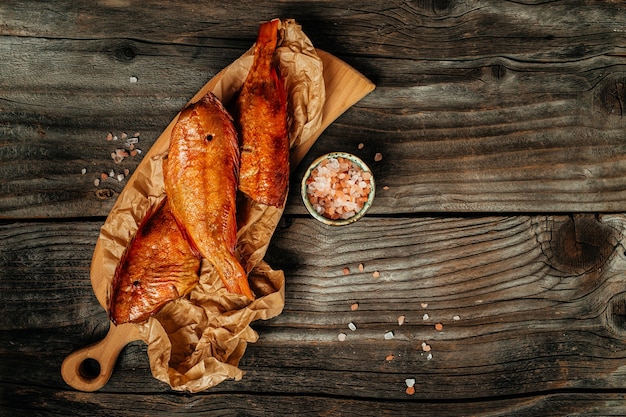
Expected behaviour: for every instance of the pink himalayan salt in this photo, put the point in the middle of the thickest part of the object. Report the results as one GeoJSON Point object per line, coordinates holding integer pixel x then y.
{"type": "Point", "coordinates": [338, 189]}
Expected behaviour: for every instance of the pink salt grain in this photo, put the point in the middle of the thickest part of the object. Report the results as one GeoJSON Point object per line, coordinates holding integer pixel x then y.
{"type": "Point", "coordinates": [338, 189]}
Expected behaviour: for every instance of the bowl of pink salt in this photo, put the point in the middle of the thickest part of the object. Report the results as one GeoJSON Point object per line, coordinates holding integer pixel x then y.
{"type": "Point", "coordinates": [338, 188]}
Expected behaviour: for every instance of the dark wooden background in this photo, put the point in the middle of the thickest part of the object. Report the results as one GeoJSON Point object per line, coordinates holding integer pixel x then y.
{"type": "Point", "coordinates": [501, 210]}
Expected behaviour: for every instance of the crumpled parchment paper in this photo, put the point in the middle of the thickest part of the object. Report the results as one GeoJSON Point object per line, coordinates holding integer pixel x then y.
{"type": "Point", "coordinates": [197, 341]}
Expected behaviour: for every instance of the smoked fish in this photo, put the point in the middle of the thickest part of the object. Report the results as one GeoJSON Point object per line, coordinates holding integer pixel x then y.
{"type": "Point", "coordinates": [157, 266]}
{"type": "Point", "coordinates": [260, 113]}
{"type": "Point", "coordinates": [201, 176]}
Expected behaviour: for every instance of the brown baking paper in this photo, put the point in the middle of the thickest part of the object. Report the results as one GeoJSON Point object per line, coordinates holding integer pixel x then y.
{"type": "Point", "coordinates": [197, 341]}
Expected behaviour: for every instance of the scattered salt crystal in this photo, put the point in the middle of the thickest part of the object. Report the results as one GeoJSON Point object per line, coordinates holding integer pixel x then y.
{"type": "Point", "coordinates": [111, 174]}
{"type": "Point", "coordinates": [120, 177]}
{"type": "Point", "coordinates": [409, 382]}
{"type": "Point", "coordinates": [352, 326]}
{"type": "Point", "coordinates": [83, 171]}
{"type": "Point", "coordinates": [456, 318]}
{"type": "Point", "coordinates": [133, 79]}
{"type": "Point", "coordinates": [401, 320]}
{"type": "Point", "coordinates": [341, 337]}
{"type": "Point", "coordinates": [119, 155]}
{"type": "Point", "coordinates": [131, 141]}
{"type": "Point", "coordinates": [425, 317]}
{"type": "Point", "coordinates": [378, 157]}
{"type": "Point", "coordinates": [115, 137]}
{"type": "Point", "coordinates": [430, 356]}
{"type": "Point", "coordinates": [388, 336]}
{"type": "Point", "coordinates": [96, 182]}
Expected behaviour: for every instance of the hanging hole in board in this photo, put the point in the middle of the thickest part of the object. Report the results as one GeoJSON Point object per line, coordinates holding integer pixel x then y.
{"type": "Point", "coordinates": [89, 369]}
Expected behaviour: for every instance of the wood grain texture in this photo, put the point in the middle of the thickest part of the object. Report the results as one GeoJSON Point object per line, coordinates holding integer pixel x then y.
{"type": "Point", "coordinates": [480, 107]}
{"type": "Point", "coordinates": [499, 211]}
{"type": "Point", "coordinates": [531, 308]}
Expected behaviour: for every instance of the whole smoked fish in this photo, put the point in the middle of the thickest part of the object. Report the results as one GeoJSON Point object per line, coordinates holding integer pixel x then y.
{"type": "Point", "coordinates": [260, 113]}
{"type": "Point", "coordinates": [157, 266]}
{"type": "Point", "coordinates": [201, 175]}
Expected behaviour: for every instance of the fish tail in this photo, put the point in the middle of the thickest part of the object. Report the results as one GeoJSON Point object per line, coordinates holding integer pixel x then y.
{"type": "Point", "coordinates": [234, 277]}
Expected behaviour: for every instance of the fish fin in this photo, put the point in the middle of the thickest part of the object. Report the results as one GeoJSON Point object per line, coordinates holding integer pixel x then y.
{"type": "Point", "coordinates": [234, 277]}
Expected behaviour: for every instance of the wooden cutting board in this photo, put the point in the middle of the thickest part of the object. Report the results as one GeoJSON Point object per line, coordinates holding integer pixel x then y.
{"type": "Point", "coordinates": [89, 368]}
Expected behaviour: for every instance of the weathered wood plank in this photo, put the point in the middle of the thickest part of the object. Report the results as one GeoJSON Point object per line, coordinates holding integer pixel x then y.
{"type": "Point", "coordinates": [528, 305]}
{"type": "Point", "coordinates": [34, 402]}
{"type": "Point", "coordinates": [480, 106]}
{"type": "Point", "coordinates": [443, 29]}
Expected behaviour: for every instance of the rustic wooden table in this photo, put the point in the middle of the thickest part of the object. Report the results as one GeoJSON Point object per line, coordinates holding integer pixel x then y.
{"type": "Point", "coordinates": [501, 211]}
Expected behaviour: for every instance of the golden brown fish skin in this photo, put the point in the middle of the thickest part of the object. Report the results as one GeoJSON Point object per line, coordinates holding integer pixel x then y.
{"type": "Point", "coordinates": [157, 266]}
{"type": "Point", "coordinates": [261, 118]}
{"type": "Point", "coordinates": [201, 176]}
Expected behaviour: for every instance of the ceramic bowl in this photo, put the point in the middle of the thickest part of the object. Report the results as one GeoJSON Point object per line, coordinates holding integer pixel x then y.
{"type": "Point", "coordinates": [358, 163]}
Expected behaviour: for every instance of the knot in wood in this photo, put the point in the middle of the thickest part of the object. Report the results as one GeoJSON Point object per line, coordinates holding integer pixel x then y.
{"type": "Point", "coordinates": [498, 71]}
{"type": "Point", "coordinates": [125, 52]}
{"type": "Point", "coordinates": [610, 96]}
{"type": "Point", "coordinates": [104, 193]}
{"type": "Point", "coordinates": [616, 313]}
{"type": "Point", "coordinates": [580, 244]}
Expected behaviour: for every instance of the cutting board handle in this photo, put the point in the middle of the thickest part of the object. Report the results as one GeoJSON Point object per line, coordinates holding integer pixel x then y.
{"type": "Point", "coordinates": [89, 369]}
